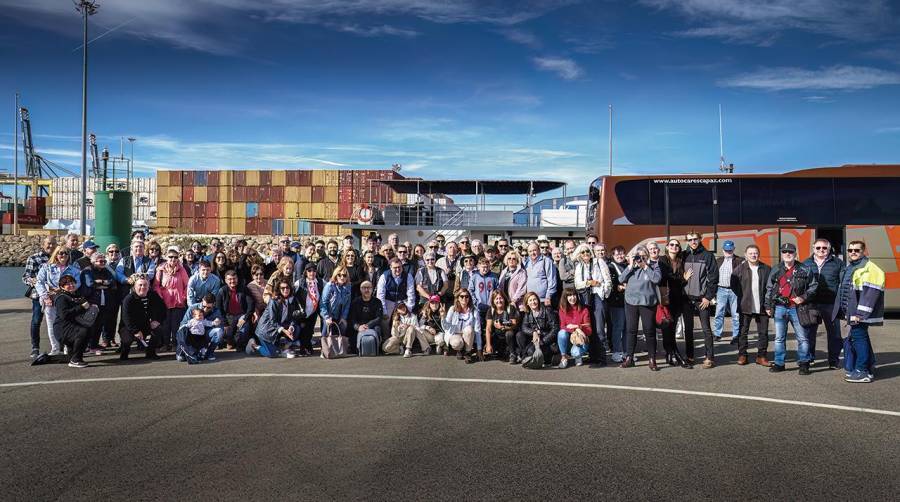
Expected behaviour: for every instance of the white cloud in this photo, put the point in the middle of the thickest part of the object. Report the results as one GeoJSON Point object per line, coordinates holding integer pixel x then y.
{"type": "Point", "coordinates": [522, 37]}
{"type": "Point", "coordinates": [377, 31]}
{"type": "Point", "coordinates": [840, 77]}
{"type": "Point", "coordinates": [888, 130]}
{"type": "Point", "coordinates": [566, 68]}
{"type": "Point", "coordinates": [759, 22]}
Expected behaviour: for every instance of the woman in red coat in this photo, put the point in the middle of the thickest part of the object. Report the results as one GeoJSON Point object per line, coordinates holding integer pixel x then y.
{"type": "Point", "coordinates": [574, 328]}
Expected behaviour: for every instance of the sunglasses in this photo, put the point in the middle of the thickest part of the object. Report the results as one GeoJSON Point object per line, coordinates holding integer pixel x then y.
{"type": "Point", "coordinates": [432, 247]}
{"type": "Point", "coordinates": [787, 252]}
{"type": "Point", "coordinates": [674, 244]}
{"type": "Point", "coordinates": [464, 296]}
{"type": "Point", "coordinates": [112, 250]}
{"type": "Point", "coordinates": [822, 248]}
{"type": "Point", "coordinates": [854, 250]}
{"type": "Point", "coordinates": [586, 251]}
{"type": "Point", "coordinates": [694, 239]}
{"type": "Point", "coordinates": [172, 257]}
{"type": "Point", "coordinates": [283, 288]}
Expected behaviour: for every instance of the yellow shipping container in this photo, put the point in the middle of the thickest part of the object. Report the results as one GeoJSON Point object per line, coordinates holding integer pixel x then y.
{"type": "Point", "coordinates": [175, 193]}
{"type": "Point", "coordinates": [224, 225]}
{"type": "Point", "coordinates": [162, 211]}
{"type": "Point", "coordinates": [318, 211]}
{"type": "Point", "coordinates": [226, 178]}
{"type": "Point", "coordinates": [200, 194]}
{"type": "Point", "coordinates": [162, 222]}
{"type": "Point", "coordinates": [292, 194]}
{"type": "Point", "coordinates": [331, 194]}
{"type": "Point", "coordinates": [238, 210]}
{"type": "Point", "coordinates": [162, 178]}
{"type": "Point", "coordinates": [305, 194]}
{"type": "Point", "coordinates": [225, 194]}
{"type": "Point", "coordinates": [279, 178]}
{"type": "Point", "coordinates": [331, 178]}
{"type": "Point", "coordinates": [304, 210]}
{"type": "Point", "coordinates": [399, 198]}
{"type": "Point", "coordinates": [253, 178]}
{"type": "Point", "coordinates": [224, 210]}
{"type": "Point", "coordinates": [331, 211]}
{"type": "Point", "coordinates": [318, 178]}
{"type": "Point", "coordinates": [238, 226]}
{"type": "Point", "coordinates": [291, 210]}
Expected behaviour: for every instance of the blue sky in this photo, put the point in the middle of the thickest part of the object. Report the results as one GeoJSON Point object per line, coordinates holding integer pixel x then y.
{"type": "Point", "coordinates": [480, 89]}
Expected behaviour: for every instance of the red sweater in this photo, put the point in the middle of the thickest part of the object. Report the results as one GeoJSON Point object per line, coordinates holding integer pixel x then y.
{"type": "Point", "coordinates": [579, 316]}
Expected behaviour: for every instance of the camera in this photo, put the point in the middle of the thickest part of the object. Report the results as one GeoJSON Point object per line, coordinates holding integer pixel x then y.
{"type": "Point", "coordinates": [638, 258]}
{"type": "Point", "coordinates": [783, 301]}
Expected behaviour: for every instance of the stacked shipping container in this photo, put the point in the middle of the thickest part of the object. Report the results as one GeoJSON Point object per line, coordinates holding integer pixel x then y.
{"type": "Point", "coordinates": [65, 197]}
{"type": "Point", "coordinates": [293, 202]}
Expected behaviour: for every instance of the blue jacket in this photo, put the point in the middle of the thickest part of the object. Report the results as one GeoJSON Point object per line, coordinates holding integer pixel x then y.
{"type": "Point", "coordinates": [48, 277]}
{"type": "Point", "coordinates": [216, 314]}
{"type": "Point", "coordinates": [198, 288]}
{"type": "Point", "coordinates": [829, 278]}
{"type": "Point", "coordinates": [335, 302]}
{"type": "Point", "coordinates": [481, 287]}
{"type": "Point", "coordinates": [271, 320]}
{"type": "Point", "coordinates": [542, 276]}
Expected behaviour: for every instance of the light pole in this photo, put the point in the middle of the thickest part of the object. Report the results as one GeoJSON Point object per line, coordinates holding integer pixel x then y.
{"type": "Point", "coordinates": [16, 176]}
{"type": "Point", "coordinates": [131, 162]}
{"type": "Point", "coordinates": [86, 8]}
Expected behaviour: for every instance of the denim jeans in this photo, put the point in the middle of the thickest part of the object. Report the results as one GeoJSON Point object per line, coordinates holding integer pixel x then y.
{"type": "Point", "coordinates": [189, 342]}
{"type": "Point", "coordinates": [562, 339]}
{"type": "Point", "coordinates": [832, 333]}
{"type": "Point", "coordinates": [617, 314]}
{"type": "Point", "coordinates": [783, 316]}
{"type": "Point", "coordinates": [862, 347]}
{"type": "Point", "coordinates": [726, 299]}
{"type": "Point", "coordinates": [37, 314]}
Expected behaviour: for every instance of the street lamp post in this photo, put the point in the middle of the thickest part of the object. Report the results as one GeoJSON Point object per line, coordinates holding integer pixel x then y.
{"type": "Point", "coordinates": [86, 8]}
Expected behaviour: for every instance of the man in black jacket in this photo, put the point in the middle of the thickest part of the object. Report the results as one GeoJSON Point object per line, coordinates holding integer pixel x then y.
{"type": "Point", "coordinates": [143, 312]}
{"type": "Point", "coordinates": [702, 276]}
{"type": "Point", "coordinates": [790, 285]}
{"type": "Point", "coordinates": [828, 271]}
{"type": "Point", "coordinates": [327, 264]}
{"type": "Point", "coordinates": [100, 287]}
{"type": "Point", "coordinates": [751, 276]}
{"type": "Point", "coordinates": [237, 306]}
{"type": "Point", "coordinates": [366, 312]}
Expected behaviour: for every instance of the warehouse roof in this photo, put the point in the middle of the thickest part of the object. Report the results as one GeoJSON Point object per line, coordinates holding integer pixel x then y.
{"type": "Point", "coordinates": [471, 187]}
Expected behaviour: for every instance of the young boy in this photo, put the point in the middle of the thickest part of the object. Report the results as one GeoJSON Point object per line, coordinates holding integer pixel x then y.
{"type": "Point", "coordinates": [482, 283]}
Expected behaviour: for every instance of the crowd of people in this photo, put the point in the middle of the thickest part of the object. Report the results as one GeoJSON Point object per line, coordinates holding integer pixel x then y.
{"type": "Point", "coordinates": [536, 305]}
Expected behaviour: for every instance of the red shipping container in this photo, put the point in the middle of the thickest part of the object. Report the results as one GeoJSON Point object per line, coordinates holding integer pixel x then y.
{"type": "Point", "coordinates": [187, 178]}
{"type": "Point", "coordinates": [305, 178]}
{"type": "Point", "coordinates": [264, 226]}
{"type": "Point", "coordinates": [212, 209]}
{"type": "Point", "coordinates": [265, 193]}
{"type": "Point", "coordinates": [265, 209]}
{"type": "Point", "coordinates": [250, 226]}
{"type": "Point", "coordinates": [187, 210]}
{"type": "Point", "coordinates": [212, 193]}
{"type": "Point", "coordinates": [345, 178]}
{"type": "Point", "coordinates": [318, 228]}
{"type": "Point", "coordinates": [318, 194]}
{"type": "Point", "coordinates": [240, 178]}
{"type": "Point", "coordinates": [212, 178]}
{"type": "Point", "coordinates": [277, 194]}
{"type": "Point", "coordinates": [187, 193]}
{"type": "Point", "coordinates": [292, 178]}
{"type": "Point", "coordinates": [199, 210]}
{"type": "Point", "coordinates": [345, 211]}
{"type": "Point", "coordinates": [278, 210]}
{"type": "Point", "coordinates": [239, 194]}
{"type": "Point", "coordinates": [212, 225]}
{"type": "Point", "coordinates": [265, 178]}
{"type": "Point", "coordinates": [174, 209]}
{"type": "Point", "coordinates": [345, 195]}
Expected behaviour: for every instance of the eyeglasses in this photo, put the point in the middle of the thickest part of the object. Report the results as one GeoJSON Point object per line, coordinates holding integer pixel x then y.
{"type": "Point", "coordinates": [285, 288]}
{"type": "Point", "coordinates": [432, 247]}
{"type": "Point", "coordinates": [821, 248]}
{"type": "Point", "coordinates": [172, 257]}
{"type": "Point", "coordinates": [341, 275]}
{"type": "Point", "coordinates": [463, 296]}
{"type": "Point", "coordinates": [693, 239]}
{"type": "Point", "coordinates": [854, 250]}
{"type": "Point", "coordinates": [674, 245]}
{"type": "Point", "coordinates": [787, 252]}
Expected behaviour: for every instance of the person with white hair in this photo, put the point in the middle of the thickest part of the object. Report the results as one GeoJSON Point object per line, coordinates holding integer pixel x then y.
{"type": "Point", "coordinates": [593, 285]}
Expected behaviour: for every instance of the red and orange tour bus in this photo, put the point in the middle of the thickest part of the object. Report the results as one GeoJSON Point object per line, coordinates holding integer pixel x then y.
{"type": "Point", "coordinates": [841, 204]}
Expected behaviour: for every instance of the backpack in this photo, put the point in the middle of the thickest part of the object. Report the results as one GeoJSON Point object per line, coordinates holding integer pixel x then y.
{"type": "Point", "coordinates": [367, 343]}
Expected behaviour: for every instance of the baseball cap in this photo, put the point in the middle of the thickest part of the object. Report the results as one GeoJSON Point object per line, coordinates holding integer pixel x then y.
{"type": "Point", "coordinates": [728, 245]}
{"type": "Point", "coordinates": [434, 299]}
{"type": "Point", "coordinates": [89, 244]}
{"type": "Point", "coordinates": [788, 248]}
{"type": "Point", "coordinates": [296, 244]}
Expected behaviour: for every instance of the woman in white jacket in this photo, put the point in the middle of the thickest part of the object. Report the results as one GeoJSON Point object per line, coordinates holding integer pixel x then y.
{"type": "Point", "coordinates": [593, 284]}
{"type": "Point", "coordinates": [462, 327]}
{"type": "Point", "coordinates": [404, 330]}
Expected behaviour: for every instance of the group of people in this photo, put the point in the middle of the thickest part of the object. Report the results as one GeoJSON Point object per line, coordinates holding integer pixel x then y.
{"type": "Point", "coordinates": [557, 305]}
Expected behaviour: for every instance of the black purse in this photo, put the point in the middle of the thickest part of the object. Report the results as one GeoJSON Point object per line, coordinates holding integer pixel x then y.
{"type": "Point", "coordinates": [89, 317]}
{"type": "Point", "coordinates": [808, 315]}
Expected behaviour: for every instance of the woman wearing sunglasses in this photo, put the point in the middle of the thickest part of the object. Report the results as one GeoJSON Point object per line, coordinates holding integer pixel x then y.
{"type": "Point", "coordinates": [171, 285]}
{"type": "Point", "coordinates": [462, 327]}
{"type": "Point", "coordinates": [334, 308]}
{"type": "Point", "coordinates": [47, 286]}
{"type": "Point", "coordinates": [671, 266]}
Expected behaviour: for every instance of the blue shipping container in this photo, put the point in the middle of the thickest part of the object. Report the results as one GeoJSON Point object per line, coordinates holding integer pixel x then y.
{"type": "Point", "coordinates": [252, 209]}
{"type": "Point", "coordinates": [278, 227]}
{"type": "Point", "coordinates": [304, 227]}
{"type": "Point", "coordinates": [200, 178]}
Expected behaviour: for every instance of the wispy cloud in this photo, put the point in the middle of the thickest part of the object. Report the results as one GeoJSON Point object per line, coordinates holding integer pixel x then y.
{"type": "Point", "coordinates": [378, 31]}
{"type": "Point", "coordinates": [566, 68]}
{"type": "Point", "coordinates": [522, 37]}
{"type": "Point", "coordinates": [843, 78]}
{"type": "Point", "coordinates": [818, 99]}
{"type": "Point", "coordinates": [587, 45]}
{"type": "Point", "coordinates": [888, 130]}
{"type": "Point", "coordinates": [761, 22]}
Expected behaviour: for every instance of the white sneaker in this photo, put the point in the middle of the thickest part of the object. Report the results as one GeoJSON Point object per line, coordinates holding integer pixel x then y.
{"type": "Point", "coordinates": [252, 347]}
{"type": "Point", "coordinates": [54, 352]}
{"type": "Point", "coordinates": [211, 357]}
{"type": "Point", "coordinates": [563, 363]}
{"type": "Point", "coordinates": [65, 350]}
{"type": "Point", "coordinates": [407, 353]}
{"type": "Point", "coordinates": [578, 361]}
{"type": "Point", "coordinates": [290, 354]}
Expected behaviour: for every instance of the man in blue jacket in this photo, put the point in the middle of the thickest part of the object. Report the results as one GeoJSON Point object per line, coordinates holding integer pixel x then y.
{"type": "Point", "coordinates": [542, 274]}
{"type": "Point", "coordinates": [860, 301]}
{"type": "Point", "coordinates": [827, 270]}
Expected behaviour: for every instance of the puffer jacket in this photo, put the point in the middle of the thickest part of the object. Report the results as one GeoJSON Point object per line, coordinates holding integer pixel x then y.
{"type": "Point", "coordinates": [828, 277]}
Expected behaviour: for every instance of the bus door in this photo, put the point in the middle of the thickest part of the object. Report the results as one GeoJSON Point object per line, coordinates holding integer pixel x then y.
{"type": "Point", "coordinates": [837, 236]}
{"type": "Point", "coordinates": [800, 236]}
{"type": "Point", "coordinates": [691, 205]}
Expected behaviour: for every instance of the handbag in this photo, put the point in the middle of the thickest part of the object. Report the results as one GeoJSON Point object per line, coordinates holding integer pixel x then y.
{"type": "Point", "coordinates": [535, 360]}
{"type": "Point", "coordinates": [577, 337]}
{"type": "Point", "coordinates": [663, 293]}
{"type": "Point", "coordinates": [89, 317]}
{"type": "Point", "coordinates": [334, 346]}
{"type": "Point", "coordinates": [664, 318]}
{"type": "Point", "coordinates": [585, 296]}
{"type": "Point", "coordinates": [808, 315]}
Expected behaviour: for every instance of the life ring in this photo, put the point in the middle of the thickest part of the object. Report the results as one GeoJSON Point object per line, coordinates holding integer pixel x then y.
{"type": "Point", "coordinates": [366, 214]}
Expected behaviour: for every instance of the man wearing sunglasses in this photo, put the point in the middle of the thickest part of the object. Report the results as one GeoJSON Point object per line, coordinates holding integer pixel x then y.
{"type": "Point", "coordinates": [860, 302]}
{"type": "Point", "coordinates": [790, 285]}
{"type": "Point", "coordinates": [827, 269]}
{"type": "Point", "coordinates": [702, 276]}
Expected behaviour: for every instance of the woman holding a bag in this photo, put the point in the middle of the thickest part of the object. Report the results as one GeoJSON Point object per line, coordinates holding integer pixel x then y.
{"type": "Point", "coordinates": [574, 328]}
{"type": "Point", "coordinates": [672, 297]}
{"type": "Point", "coordinates": [47, 287]}
{"type": "Point", "coordinates": [641, 278]}
{"type": "Point", "coordinates": [593, 285]}
{"type": "Point", "coordinates": [540, 327]}
{"type": "Point", "coordinates": [334, 310]}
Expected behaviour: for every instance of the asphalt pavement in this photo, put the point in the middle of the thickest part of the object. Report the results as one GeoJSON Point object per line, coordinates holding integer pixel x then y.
{"type": "Point", "coordinates": [435, 428]}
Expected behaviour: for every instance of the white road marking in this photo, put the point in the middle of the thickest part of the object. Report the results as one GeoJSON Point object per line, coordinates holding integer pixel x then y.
{"type": "Point", "coordinates": [465, 380]}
